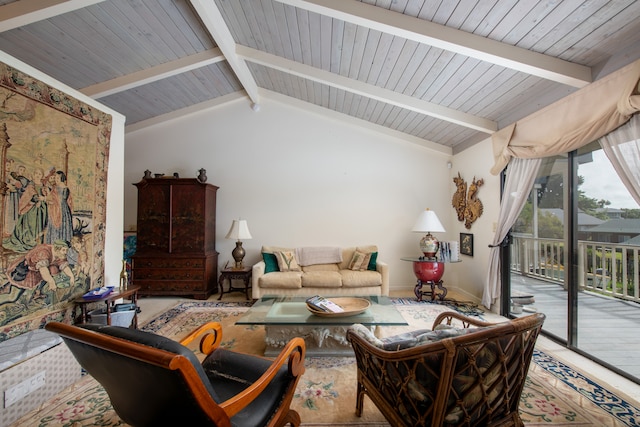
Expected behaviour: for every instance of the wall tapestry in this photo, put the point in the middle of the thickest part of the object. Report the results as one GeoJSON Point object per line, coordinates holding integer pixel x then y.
{"type": "Point", "coordinates": [466, 203]}
{"type": "Point", "coordinates": [55, 152]}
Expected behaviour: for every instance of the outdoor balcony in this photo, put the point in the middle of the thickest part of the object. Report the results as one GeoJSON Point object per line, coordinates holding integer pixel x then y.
{"type": "Point", "coordinates": [608, 295]}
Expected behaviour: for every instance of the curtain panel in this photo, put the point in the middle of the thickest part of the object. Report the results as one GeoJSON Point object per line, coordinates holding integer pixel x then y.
{"type": "Point", "coordinates": [622, 148]}
{"type": "Point", "coordinates": [573, 121]}
{"type": "Point", "coordinates": [519, 179]}
{"type": "Point", "coordinates": [566, 125]}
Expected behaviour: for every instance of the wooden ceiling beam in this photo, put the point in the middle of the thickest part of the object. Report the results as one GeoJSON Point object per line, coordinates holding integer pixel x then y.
{"type": "Point", "coordinates": [217, 27]}
{"type": "Point", "coordinates": [368, 90]}
{"type": "Point", "coordinates": [25, 12]}
{"type": "Point", "coordinates": [450, 39]}
{"type": "Point", "coordinates": [159, 72]}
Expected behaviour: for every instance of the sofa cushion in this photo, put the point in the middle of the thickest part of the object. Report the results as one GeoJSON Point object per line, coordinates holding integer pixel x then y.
{"type": "Point", "coordinates": [270, 262]}
{"type": "Point", "coordinates": [347, 254]}
{"type": "Point", "coordinates": [372, 261]}
{"type": "Point", "coordinates": [367, 249]}
{"type": "Point", "coordinates": [287, 261]}
{"type": "Point", "coordinates": [274, 249]}
{"type": "Point", "coordinates": [321, 279]}
{"type": "Point", "coordinates": [281, 279]}
{"type": "Point", "coordinates": [320, 267]}
{"type": "Point", "coordinates": [359, 261]}
{"type": "Point", "coordinates": [359, 279]}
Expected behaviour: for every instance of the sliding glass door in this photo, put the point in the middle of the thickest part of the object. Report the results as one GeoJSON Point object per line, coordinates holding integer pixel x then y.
{"type": "Point", "coordinates": [538, 249]}
{"type": "Point", "coordinates": [574, 255]}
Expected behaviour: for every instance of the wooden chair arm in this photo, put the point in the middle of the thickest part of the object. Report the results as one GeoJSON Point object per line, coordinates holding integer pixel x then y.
{"type": "Point", "coordinates": [448, 316]}
{"type": "Point", "coordinates": [211, 339]}
{"type": "Point", "coordinates": [293, 354]}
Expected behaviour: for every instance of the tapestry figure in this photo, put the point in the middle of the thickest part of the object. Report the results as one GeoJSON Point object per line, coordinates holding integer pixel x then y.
{"type": "Point", "coordinates": [16, 185]}
{"type": "Point", "coordinates": [59, 210]}
{"type": "Point", "coordinates": [32, 219]}
{"type": "Point", "coordinates": [37, 270]}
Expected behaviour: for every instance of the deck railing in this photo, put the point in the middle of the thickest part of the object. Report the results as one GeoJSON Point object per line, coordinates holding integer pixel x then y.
{"type": "Point", "coordinates": [606, 268]}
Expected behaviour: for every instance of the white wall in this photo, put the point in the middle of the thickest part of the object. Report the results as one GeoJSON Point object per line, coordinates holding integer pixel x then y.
{"type": "Point", "coordinates": [471, 273]}
{"type": "Point", "coordinates": [115, 202]}
{"type": "Point", "coordinates": [300, 178]}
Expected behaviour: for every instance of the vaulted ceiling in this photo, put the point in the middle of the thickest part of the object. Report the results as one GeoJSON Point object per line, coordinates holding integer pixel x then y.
{"type": "Point", "coordinates": [448, 72]}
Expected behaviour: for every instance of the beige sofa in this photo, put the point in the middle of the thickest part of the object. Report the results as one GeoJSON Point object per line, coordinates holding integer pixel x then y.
{"type": "Point", "coordinates": [329, 271]}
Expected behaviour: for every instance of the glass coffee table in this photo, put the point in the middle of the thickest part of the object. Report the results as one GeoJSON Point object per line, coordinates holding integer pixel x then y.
{"type": "Point", "coordinates": [288, 317]}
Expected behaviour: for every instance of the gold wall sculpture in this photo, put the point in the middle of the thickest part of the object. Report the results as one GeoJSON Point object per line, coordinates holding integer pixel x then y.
{"type": "Point", "coordinates": [466, 203]}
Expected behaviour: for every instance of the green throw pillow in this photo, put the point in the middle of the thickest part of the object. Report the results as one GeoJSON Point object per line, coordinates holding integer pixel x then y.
{"type": "Point", "coordinates": [270, 262]}
{"type": "Point", "coordinates": [372, 261]}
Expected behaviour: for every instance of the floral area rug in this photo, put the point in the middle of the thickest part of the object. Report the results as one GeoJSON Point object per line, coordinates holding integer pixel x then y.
{"type": "Point", "coordinates": [554, 394]}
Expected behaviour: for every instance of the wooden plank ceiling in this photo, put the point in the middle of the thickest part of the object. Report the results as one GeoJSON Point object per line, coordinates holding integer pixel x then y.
{"type": "Point", "coordinates": [448, 72]}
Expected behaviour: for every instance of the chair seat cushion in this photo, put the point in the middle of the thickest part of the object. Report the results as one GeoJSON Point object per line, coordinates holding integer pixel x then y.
{"type": "Point", "coordinates": [412, 338]}
{"type": "Point", "coordinates": [230, 373]}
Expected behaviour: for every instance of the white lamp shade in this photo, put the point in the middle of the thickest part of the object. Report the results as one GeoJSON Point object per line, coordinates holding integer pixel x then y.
{"type": "Point", "coordinates": [239, 230]}
{"type": "Point", "coordinates": [428, 221]}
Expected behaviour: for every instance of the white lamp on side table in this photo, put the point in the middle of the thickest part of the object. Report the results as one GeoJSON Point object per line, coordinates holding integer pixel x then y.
{"type": "Point", "coordinates": [239, 231]}
{"type": "Point", "coordinates": [427, 222]}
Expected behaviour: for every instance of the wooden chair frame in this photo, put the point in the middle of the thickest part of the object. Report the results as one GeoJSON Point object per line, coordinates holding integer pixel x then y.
{"type": "Point", "coordinates": [210, 336]}
{"type": "Point", "coordinates": [421, 385]}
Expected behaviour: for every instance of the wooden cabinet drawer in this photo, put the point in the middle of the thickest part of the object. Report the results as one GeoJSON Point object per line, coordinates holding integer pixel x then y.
{"type": "Point", "coordinates": [169, 274]}
{"type": "Point", "coordinates": [169, 287]}
{"type": "Point", "coordinates": [168, 262]}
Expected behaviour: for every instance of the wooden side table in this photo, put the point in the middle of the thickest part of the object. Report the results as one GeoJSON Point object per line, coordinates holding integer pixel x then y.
{"type": "Point", "coordinates": [231, 274]}
{"type": "Point", "coordinates": [130, 293]}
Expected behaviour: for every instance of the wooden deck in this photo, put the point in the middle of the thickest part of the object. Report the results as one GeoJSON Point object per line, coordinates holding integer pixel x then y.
{"type": "Point", "coordinates": [607, 327]}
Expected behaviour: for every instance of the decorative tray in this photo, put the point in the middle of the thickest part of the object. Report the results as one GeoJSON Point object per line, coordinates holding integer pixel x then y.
{"type": "Point", "coordinates": [97, 293]}
{"type": "Point", "coordinates": [351, 306]}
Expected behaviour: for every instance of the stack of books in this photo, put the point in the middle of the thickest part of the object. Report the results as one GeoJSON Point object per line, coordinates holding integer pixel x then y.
{"type": "Point", "coordinates": [323, 304]}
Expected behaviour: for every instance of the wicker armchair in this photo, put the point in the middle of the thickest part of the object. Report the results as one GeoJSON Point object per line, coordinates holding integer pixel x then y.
{"type": "Point", "coordinates": [471, 375]}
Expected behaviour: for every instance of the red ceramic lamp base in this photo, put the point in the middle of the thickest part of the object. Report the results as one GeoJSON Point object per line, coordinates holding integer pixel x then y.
{"type": "Point", "coordinates": [427, 271]}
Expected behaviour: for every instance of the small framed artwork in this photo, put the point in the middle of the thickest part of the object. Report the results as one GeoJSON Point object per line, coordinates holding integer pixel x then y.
{"type": "Point", "coordinates": [466, 244]}
{"type": "Point", "coordinates": [129, 246]}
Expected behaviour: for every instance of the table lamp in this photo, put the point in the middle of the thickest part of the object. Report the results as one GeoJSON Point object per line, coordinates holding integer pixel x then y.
{"type": "Point", "coordinates": [239, 230]}
{"type": "Point", "coordinates": [427, 222]}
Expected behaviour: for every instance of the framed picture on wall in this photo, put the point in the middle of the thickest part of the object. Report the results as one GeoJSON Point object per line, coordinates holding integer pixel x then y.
{"type": "Point", "coordinates": [129, 245]}
{"type": "Point", "coordinates": [466, 244]}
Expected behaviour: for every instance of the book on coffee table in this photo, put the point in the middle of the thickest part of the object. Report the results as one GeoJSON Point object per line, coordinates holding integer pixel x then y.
{"type": "Point", "coordinates": [323, 304]}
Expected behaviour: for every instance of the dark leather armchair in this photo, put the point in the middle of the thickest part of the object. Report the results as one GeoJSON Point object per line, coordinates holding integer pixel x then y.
{"type": "Point", "coordinates": [152, 380]}
{"type": "Point", "coordinates": [470, 375]}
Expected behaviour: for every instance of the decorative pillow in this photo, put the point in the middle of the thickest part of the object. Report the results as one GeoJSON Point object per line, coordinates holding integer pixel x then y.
{"type": "Point", "coordinates": [359, 261]}
{"type": "Point", "coordinates": [412, 338]}
{"type": "Point", "coordinates": [287, 261]}
{"type": "Point", "coordinates": [424, 336]}
{"type": "Point", "coordinates": [270, 262]}
{"type": "Point", "coordinates": [372, 261]}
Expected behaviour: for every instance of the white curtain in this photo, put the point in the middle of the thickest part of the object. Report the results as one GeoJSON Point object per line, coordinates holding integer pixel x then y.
{"type": "Point", "coordinates": [592, 112]}
{"type": "Point", "coordinates": [520, 176]}
{"type": "Point", "coordinates": [573, 121]}
{"type": "Point", "coordinates": [622, 148]}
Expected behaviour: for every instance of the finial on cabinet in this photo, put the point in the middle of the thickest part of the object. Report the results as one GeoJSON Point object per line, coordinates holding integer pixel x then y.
{"type": "Point", "coordinates": [202, 176]}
